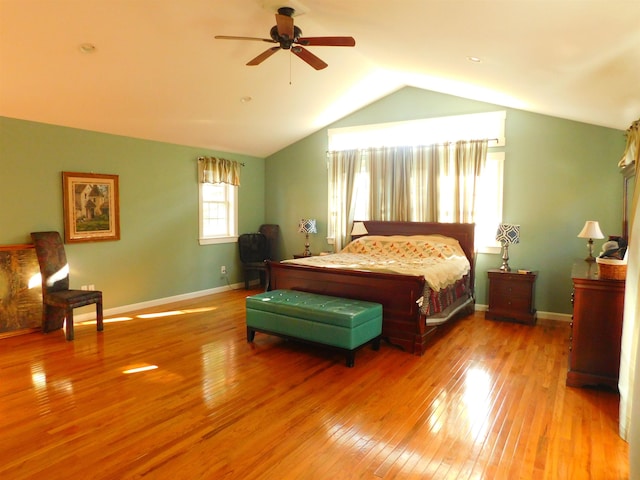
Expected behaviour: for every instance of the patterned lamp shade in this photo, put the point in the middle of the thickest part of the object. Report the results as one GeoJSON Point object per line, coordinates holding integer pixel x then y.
{"type": "Point", "coordinates": [307, 226]}
{"type": "Point", "coordinates": [508, 234]}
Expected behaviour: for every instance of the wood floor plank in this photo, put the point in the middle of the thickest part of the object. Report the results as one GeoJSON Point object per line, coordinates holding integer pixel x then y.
{"type": "Point", "coordinates": [486, 401]}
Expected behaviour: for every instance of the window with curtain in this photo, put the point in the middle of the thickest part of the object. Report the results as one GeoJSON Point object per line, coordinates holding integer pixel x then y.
{"type": "Point", "coordinates": [446, 182]}
{"type": "Point", "coordinates": [218, 182]}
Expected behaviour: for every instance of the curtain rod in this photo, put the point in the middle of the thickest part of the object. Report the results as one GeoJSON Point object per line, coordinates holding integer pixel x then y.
{"type": "Point", "coordinates": [241, 163]}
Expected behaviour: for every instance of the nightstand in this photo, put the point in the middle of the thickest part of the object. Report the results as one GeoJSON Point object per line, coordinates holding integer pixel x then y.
{"type": "Point", "coordinates": [300, 255]}
{"type": "Point", "coordinates": [511, 296]}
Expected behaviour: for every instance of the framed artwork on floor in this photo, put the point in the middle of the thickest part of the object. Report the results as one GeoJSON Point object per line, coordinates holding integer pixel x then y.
{"type": "Point", "coordinates": [91, 207]}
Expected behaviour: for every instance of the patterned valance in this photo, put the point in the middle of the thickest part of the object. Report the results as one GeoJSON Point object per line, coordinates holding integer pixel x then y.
{"type": "Point", "coordinates": [218, 170]}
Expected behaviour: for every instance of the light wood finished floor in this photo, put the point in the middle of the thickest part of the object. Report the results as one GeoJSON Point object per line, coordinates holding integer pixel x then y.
{"type": "Point", "coordinates": [487, 401]}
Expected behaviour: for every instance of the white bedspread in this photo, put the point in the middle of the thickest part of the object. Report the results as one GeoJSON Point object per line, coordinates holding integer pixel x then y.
{"type": "Point", "coordinates": [439, 259]}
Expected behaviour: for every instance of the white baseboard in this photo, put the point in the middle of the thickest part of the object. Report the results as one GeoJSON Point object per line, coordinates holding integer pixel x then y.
{"type": "Point", "coordinates": [154, 303]}
{"type": "Point", "coordinates": [561, 317]}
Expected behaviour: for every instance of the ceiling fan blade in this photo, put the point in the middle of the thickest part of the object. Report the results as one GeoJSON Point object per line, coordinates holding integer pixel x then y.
{"type": "Point", "coordinates": [328, 41]}
{"type": "Point", "coordinates": [309, 57]}
{"type": "Point", "coordinates": [228, 37]}
{"type": "Point", "coordinates": [263, 56]}
{"type": "Point", "coordinates": [285, 25]}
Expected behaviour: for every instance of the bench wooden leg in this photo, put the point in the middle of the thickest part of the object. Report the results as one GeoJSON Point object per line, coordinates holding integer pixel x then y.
{"type": "Point", "coordinates": [376, 343]}
{"type": "Point", "coordinates": [251, 333]}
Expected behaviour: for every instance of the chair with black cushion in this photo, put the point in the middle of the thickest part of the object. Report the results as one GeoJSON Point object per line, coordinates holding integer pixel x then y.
{"type": "Point", "coordinates": [271, 231]}
{"type": "Point", "coordinates": [59, 301]}
{"type": "Point", "coordinates": [254, 252]}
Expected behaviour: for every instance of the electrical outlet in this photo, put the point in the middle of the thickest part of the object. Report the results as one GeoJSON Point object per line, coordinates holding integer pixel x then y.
{"type": "Point", "coordinates": [84, 287]}
{"type": "Point", "coordinates": [223, 270]}
{"type": "Point", "coordinates": [92, 287]}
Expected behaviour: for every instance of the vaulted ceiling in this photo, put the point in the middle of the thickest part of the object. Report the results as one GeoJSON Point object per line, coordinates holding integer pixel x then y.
{"type": "Point", "coordinates": [158, 73]}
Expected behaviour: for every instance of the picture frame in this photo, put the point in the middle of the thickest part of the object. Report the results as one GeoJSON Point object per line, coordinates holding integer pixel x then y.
{"type": "Point", "coordinates": [91, 207]}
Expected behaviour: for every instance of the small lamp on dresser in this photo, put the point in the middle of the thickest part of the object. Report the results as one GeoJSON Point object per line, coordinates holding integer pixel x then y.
{"type": "Point", "coordinates": [590, 230]}
{"type": "Point", "coordinates": [507, 234]}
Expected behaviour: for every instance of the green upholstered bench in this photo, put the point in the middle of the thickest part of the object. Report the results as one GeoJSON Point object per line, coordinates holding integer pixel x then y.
{"type": "Point", "coordinates": [341, 323]}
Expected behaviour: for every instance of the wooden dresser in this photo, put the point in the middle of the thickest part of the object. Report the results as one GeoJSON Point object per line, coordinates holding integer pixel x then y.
{"type": "Point", "coordinates": [596, 329]}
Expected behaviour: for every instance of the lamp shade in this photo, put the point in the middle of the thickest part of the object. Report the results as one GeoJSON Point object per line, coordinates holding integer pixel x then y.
{"type": "Point", "coordinates": [591, 229]}
{"type": "Point", "coordinates": [307, 226]}
{"type": "Point", "coordinates": [508, 234]}
{"type": "Point", "coordinates": [359, 229]}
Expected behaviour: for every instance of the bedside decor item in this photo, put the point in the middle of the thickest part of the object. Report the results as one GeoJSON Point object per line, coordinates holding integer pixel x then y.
{"type": "Point", "coordinates": [307, 226]}
{"type": "Point", "coordinates": [358, 229]}
{"type": "Point", "coordinates": [507, 234]}
{"type": "Point", "coordinates": [91, 207]}
{"type": "Point", "coordinates": [590, 230]}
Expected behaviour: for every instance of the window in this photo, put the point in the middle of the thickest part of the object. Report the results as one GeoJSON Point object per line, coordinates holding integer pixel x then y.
{"type": "Point", "coordinates": [218, 213]}
{"type": "Point", "coordinates": [488, 196]}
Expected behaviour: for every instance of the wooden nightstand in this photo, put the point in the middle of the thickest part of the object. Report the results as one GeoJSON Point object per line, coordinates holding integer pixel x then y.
{"type": "Point", "coordinates": [300, 255]}
{"type": "Point", "coordinates": [511, 296]}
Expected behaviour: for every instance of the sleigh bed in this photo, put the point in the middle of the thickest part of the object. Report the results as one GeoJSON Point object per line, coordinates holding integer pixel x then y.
{"type": "Point", "coordinates": [412, 309]}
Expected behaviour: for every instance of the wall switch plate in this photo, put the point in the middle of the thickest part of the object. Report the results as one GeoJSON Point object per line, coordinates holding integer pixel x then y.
{"type": "Point", "coordinates": [223, 270]}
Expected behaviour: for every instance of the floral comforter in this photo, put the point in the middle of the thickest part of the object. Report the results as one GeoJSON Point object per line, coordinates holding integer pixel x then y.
{"type": "Point", "coordinates": [439, 259]}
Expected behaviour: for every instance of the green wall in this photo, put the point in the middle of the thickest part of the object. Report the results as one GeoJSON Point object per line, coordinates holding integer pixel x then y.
{"type": "Point", "coordinates": [558, 174]}
{"type": "Point", "coordinates": [158, 255]}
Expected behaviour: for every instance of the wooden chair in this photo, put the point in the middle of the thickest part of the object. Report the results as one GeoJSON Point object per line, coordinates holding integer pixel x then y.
{"type": "Point", "coordinates": [59, 301]}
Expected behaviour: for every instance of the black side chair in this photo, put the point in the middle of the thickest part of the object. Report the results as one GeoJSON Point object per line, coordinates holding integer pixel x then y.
{"type": "Point", "coordinates": [253, 255]}
{"type": "Point", "coordinates": [59, 301]}
{"type": "Point", "coordinates": [255, 250]}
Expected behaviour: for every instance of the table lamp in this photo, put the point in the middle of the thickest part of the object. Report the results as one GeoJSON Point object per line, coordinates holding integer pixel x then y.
{"type": "Point", "coordinates": [506, 235]}
{"type": "Point", "coordinates": [590, 230]}
{"type": "Point", "coordinates": [307, 226]}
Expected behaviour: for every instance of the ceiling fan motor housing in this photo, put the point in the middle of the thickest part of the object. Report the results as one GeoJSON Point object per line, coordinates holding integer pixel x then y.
{"type": "Point", "coordinates": [284, 41]}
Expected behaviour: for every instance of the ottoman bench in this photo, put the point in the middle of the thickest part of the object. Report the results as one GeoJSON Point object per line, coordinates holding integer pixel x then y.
{"type": "Point", "coordinates": [336, 322]}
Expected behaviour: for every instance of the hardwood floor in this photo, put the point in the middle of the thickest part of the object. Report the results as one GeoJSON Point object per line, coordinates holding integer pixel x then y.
{"type": "Point", "coordinates": [487, 401]}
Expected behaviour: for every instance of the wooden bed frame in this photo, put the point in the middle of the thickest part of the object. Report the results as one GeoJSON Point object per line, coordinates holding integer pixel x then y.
{"type": "Point", "coordinates": [403, 324]}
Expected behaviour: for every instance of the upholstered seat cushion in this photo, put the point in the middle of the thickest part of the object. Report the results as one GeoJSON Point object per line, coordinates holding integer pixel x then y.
{"type": "Point", "coordinates": [339, 322]}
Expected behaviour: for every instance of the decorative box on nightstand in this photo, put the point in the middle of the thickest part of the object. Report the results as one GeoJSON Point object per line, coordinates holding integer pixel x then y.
{"type": "Point", "coordinates": [511, 296]}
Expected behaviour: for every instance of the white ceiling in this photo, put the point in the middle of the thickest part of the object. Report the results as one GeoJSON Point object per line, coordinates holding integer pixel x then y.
{"type": "Point", "coordinates": [158, 73]}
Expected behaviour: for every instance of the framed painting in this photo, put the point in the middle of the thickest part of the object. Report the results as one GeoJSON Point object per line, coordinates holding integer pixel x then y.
{"type": "Point", "coordinates": [91, 207]}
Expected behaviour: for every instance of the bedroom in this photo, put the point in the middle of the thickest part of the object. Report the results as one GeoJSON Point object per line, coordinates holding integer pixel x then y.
{"type": "Point", "coordinates": [559, 174]}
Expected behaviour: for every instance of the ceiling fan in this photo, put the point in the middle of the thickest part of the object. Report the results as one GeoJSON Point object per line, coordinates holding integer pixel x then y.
{"type": "Point", "coordinates": [289, 37]}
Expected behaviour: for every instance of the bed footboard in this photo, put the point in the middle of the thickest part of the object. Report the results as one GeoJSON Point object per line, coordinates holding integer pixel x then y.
{"type": "Point", "coordinates": [402, 324]}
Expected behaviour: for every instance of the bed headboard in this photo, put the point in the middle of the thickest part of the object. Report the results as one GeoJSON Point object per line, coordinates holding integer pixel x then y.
{"type": "Point", "coordinates": [463, 232]}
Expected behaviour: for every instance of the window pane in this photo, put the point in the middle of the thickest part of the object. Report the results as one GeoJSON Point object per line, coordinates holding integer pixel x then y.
{"type": "Point", "coordinates": [218, 216]}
